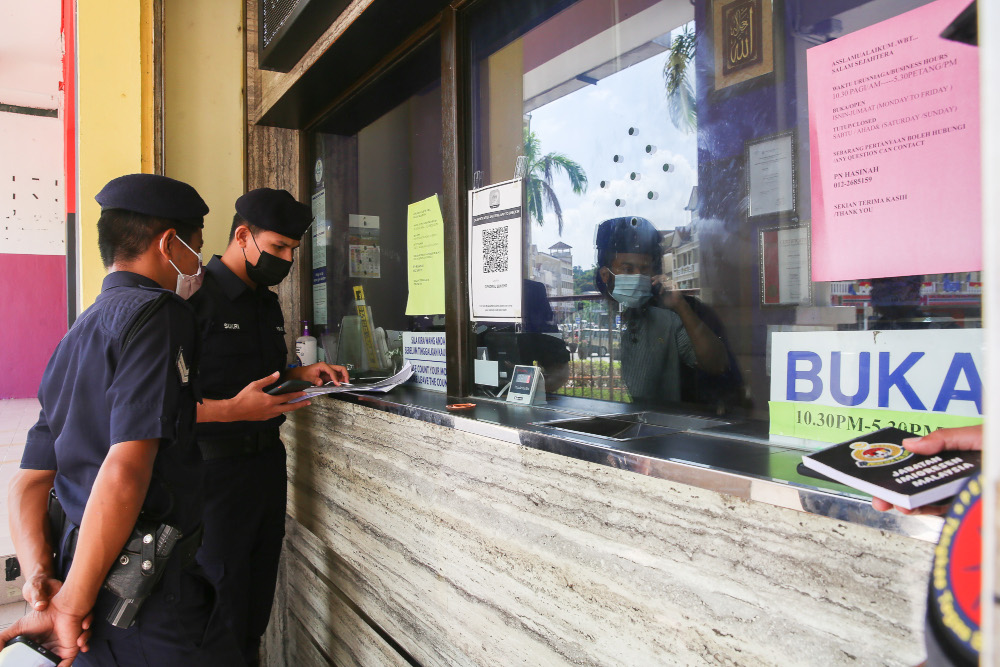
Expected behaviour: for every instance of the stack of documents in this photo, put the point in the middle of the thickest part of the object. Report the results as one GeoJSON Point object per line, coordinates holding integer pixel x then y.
{"type": "Point", "coordinates": [380, 387]}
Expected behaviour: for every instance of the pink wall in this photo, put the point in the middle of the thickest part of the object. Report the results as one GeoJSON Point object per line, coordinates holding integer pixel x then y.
{"type": "Point", "coordinates": [33, 313]}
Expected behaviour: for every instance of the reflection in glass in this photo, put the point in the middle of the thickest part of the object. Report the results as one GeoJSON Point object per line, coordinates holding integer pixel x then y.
{"type": "Point", "coordinates": [668, 311]}
{"type": "Point", "coordinates": [662, 330]}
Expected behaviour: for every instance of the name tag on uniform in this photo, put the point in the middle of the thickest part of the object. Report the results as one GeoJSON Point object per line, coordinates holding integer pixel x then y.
{"type": "Point", "coordinates": [232, 325]}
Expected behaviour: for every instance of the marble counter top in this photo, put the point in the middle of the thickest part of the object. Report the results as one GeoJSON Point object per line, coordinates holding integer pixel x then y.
{"type": "Point", "coordinates": [737, 461]}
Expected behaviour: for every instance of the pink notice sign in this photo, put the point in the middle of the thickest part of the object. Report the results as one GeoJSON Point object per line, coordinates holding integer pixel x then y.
{"type": "Point", "coordinates": [894, 136]}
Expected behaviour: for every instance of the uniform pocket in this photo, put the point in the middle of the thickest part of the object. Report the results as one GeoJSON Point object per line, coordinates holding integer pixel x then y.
{"type": "Point", "coordinates": [193, 604]}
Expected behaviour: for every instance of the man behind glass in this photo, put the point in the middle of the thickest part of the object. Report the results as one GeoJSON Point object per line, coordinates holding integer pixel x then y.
{"type": "Point", "coordinates": [243, 352]}
{"type": "Point", "coordinates": [660, 330]}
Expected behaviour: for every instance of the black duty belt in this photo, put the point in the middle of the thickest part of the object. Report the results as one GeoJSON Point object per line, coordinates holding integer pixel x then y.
{"type": "Point", "coordinates": [184, 552]}
{"type": "Point", "coordinates": [221, 447]}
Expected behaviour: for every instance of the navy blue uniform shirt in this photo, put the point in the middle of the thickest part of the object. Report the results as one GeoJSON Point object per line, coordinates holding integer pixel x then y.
{"type": "Point", "coordinates": [96, 393]}
{"type": "Point", "coordinates": [243, 339]}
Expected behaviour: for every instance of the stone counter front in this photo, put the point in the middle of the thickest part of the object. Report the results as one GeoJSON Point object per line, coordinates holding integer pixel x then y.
{"type": "Point", "coordinates": [412, 543]}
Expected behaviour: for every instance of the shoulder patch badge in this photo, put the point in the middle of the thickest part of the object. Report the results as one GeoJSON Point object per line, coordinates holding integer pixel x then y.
{"type": "Point", "coordinates": [870, 455]}
{"type": "Point", "coordinates": [182, 367]}
{"type": "Point", "coordinates": [956, 579]}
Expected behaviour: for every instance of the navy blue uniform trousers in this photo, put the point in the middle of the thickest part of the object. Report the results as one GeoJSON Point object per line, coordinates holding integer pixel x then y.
{"type": "Point", "coordinates": [244, 528]}
{"type": "Point", "coordinates": [178, 624]}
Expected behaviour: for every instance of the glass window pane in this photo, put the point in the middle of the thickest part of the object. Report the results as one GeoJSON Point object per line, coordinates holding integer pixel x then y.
{"type": "Point", "coordinates": [670, 232]}
{"type": "Point", "coordinates": [374, 156]}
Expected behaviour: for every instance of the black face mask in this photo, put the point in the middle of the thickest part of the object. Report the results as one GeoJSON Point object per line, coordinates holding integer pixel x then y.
{"type": "Point", "coordinates": [269, 271]}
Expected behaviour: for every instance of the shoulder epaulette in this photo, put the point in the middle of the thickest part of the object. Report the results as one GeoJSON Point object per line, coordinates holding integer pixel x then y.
{"type": "Point", "coordinates": [142, 316]}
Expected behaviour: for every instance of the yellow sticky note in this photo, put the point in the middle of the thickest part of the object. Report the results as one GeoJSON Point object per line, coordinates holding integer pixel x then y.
{"type": "Point", "coordinates": [425, 257]}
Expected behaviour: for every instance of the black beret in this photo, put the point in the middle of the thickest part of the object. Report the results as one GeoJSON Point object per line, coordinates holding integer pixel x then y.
{"type": "Point", "coordinates": [275, 211]}
{"type": "Point", "coordinates": [628, 234]}
{"type": "Point", "coordinates": [151, 194]}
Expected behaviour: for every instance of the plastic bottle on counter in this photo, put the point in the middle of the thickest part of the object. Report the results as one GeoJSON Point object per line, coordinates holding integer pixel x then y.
{"type": "Point", "coordinates": [305, 346]}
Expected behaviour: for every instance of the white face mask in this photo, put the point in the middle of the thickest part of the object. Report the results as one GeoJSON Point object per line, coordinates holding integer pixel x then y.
{"type": "Point", "coordinates": [632, 289]}
{"type": "Point", "coordinates": [187, 285]}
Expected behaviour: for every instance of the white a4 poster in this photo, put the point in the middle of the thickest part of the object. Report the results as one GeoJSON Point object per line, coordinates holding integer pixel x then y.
{"type": "Point", "coordinates": [495, 223]}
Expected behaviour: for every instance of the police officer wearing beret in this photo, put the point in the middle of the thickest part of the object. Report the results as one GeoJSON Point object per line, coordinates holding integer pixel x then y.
{"type": "Point", "coordinates": [115, 435]}
{"type": "Point", "coordinates": [243, 352]}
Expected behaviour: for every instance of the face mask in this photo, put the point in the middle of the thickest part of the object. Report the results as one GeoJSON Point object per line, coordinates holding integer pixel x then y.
{"type": "Point", "coordinates": [632, 289]}
{"type": "Point", "coordinates": [187, 285]}
{"type": "Point", "coordinates": [269, 270]}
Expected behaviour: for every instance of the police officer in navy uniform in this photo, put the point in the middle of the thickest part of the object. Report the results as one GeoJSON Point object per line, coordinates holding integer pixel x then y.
{"type": "Point", "coordinates": [115, 435]}
{"type": "Point", "coordinates": [243, 352]}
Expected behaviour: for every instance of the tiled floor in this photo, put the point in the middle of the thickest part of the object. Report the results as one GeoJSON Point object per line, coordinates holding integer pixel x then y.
{"type": "Point", "coordinates": [16, 417]}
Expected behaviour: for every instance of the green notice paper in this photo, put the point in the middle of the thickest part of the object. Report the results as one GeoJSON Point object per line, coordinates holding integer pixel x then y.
{"type": "Point", "coordinates": [425, 254]}
{"type": "Point", "coordinates": [837, 424]}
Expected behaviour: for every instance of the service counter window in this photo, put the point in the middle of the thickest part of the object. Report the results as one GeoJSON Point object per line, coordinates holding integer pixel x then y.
{"type": "Point", "coordinates": [765, 213]}
{"type": "Point", "coordinates": [762, 214]}
{"type": "Point", "coordinates": [376, 176]}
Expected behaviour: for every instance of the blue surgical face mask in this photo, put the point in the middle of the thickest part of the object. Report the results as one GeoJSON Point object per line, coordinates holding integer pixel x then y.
{"type": "Point", "coordinates": [632, 289]}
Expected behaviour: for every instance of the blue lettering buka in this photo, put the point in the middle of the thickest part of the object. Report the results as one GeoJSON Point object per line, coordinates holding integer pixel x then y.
{"type": "Point", "coordinates": [805, 367]}
{"type": "Point", "coordinates": [888, 379]}
{"type": "Point", "coordinates": [864, 379]}
{"type": "Point", "coordinates": [961, 363]}
{"type": "Point", "coordinates": [812, 375]}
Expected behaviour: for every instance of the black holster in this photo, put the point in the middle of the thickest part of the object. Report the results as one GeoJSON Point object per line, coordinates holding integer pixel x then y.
{"type": "Point", "coordinates": [140, 567]}
{"type": "Point", "coordinates": [141, 563]}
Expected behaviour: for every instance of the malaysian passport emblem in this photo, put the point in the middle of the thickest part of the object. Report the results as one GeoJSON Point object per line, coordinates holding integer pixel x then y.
{"type": "Point", "coordinates": [868, 455]}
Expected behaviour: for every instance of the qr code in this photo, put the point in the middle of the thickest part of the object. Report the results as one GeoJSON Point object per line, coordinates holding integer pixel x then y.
{"type": "Point", "coordinates": [495, 250]}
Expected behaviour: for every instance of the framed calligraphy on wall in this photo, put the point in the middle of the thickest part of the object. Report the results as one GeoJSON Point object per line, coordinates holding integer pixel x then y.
{"type": "Point", "coordinates": [743, 40]}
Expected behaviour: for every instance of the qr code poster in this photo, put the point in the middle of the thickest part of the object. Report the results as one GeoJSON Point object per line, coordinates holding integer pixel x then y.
{"type": "Point", "coordinates": [496, 218]}
{"type": "Point", "coordinates": [365, 246]}
{"type": "Point", "coordinates": [495, 250]}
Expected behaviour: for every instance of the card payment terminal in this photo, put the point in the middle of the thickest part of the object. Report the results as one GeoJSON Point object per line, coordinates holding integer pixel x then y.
{"type": "Point", "coordinates": [527, 386]}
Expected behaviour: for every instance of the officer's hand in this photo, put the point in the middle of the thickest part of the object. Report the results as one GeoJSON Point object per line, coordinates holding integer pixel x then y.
{"type": "Point", "coordinates": [932, 510]}
{"type": "Point", "coordinates": [60, 630]}
{"type": "Point", "coordinates": [320, 373]}
{"type": "Point", "coordinates": [255, 404]}
{"type": "Point", "coordinates": [39, 589]}
{"type": "Point", "coordinates": [965, 438]}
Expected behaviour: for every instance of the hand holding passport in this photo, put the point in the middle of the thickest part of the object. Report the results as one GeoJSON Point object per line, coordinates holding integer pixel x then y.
{"type": "Point", "coordinates": [923, 471]}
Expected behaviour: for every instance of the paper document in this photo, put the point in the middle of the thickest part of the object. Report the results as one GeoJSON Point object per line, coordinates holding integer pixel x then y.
{"type": "Point", "coordinates": [380, 387]}
{"type": "Point", "coordinates": [894, 139]}
{"type": "Point", "coordinates": [364, 242]}
{"type": "Point", "coordinates": [496, 219]}
{"type": "Point", "coordinates": [425, 257]}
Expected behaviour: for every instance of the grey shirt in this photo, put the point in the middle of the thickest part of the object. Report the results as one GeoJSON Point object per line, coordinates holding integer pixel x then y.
{"type": "Point", "coordinates": [654, 344]}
